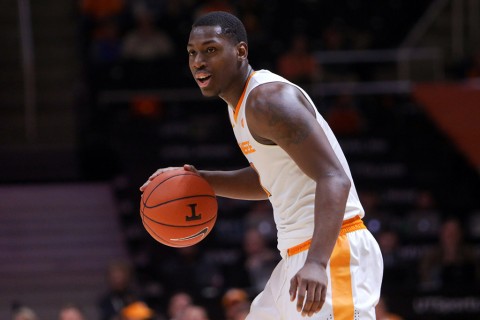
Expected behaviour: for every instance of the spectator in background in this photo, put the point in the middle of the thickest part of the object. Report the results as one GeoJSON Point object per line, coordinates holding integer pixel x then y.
{"type": "Point", "coordinates": [106, 44]}
{"type": "Point", "coordinates": [104, 55]}
{"type": "Point", "coordinates": [383, 313]}
{"type": "Point", "coordinates": [396, 272]}
{"type": "Point", "coordinates": [194, 312]}
{"type": "Point", "coordinates": [344, 116]}
{"type": "Point", "coordinates": [24, 313]}
{"type": "Point", "coordinates": [136, 311]}
{"type": "Point", "coordinates": [95, 14]}
{"type": "Point", "coordinates": [102, 9]}
{"type": "Point", "coordinates": [423, 220]}
{"type": "Point", "coordinates": [70, 312]}
{"type": "Point", "coordinates": [260, 216]}
{"type": "Point", "coordinates": [214, 5]}
{"type": "Point", "coordinates": [258, 18]}
{"type": "Point", "coordinates": [451, 265]}
{"type": "Point", "coordinates": [298, 64]}
{"type": "Point", "coordinates": [189, 270]}
{"type": "Point", "coordinates": [120, 291]}
{"type": "Point", "coordinates": [236, 304]}
{"type": "Point", "coordinates": [241, 312]}
{"type": "Point", "coordinates": [177, 303]}
{"type": "Point", "coordinates": [157, 8]}
{"type": "Point", "coordinates": [146, 41]}
{"type": "Point", "coordinates": [146, 51]}
{"type": "Point", "coordinates": [335, 38]}
{"type": "Point", "coordinates": [260, 259]}
{"type": "Point", "coordinates": [178, 14]}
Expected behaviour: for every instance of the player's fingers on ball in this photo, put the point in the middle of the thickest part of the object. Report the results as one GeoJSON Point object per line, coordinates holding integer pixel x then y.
{"type": "Point", "coordinates": [145, 185]}
{"type": "Point", "coordinates": [155, 174]}
{"type": "Point", "coordinates": [160, 171]}
{"type": "Point", "coordinates": [189, 167]}
{"type": "Point", "coordinates": [142, 188]}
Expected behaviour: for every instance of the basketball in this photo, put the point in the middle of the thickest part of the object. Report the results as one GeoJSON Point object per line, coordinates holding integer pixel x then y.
{"type": "Point", "coordinates": [178, 208]}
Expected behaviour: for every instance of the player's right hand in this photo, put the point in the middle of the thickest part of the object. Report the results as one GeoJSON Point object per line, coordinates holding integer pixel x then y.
{"type": "Point", "coordinates": [309, 287]}
{"type": "Point", "coordinates": [186, 167]}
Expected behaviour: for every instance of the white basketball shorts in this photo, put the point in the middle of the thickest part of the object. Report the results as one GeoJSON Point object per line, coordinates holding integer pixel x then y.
{"type": "Point", "coordinates": [355, 272]}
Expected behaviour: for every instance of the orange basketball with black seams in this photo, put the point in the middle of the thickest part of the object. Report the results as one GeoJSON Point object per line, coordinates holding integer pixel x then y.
{"type": "Point", "coordinates": [178, 208]}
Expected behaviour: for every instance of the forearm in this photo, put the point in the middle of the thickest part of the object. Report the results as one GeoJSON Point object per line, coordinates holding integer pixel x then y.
{"type": "Point", "coordinates": [330, 202]}
{"type": "Point", "coordinates": [237, 184]}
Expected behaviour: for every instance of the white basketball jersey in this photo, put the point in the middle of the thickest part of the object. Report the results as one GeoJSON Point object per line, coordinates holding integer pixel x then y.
{"type": "Point", "coordinates": [291, 192]}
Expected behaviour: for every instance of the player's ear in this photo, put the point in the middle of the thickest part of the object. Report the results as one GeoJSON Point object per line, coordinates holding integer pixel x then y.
{"type": "Point", "coordinates": [242, 51]}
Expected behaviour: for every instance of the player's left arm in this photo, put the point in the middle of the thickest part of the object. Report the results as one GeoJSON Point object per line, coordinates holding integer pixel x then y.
{"type": "Point", "coordinates": [278, 113]}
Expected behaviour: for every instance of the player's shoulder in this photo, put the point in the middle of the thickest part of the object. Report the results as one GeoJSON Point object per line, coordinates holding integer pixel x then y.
{"type": "Point", "coordinates": [266, 95]}
{"type": "Point", "coordinates": [266, 83]}
{"type": "Point", "coordinates": [266, 76]}
{"type": "Point", "coordinates": [272, 92]}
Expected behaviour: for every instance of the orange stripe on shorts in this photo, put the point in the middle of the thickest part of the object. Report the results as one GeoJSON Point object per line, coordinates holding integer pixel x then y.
{"type": "Point", "coordinates": [341, 280]}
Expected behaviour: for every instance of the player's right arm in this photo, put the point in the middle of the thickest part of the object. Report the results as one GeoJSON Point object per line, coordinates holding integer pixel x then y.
{"type": "Point", "coordinates": [236, 184]}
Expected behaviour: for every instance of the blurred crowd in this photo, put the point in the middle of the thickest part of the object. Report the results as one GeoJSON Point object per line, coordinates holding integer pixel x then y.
{"type": "Point", "coordinates": [141, 43]}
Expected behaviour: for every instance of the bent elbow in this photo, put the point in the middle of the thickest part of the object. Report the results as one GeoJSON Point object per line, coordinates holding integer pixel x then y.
{"type": "Point", "coordinates": [344, 183]}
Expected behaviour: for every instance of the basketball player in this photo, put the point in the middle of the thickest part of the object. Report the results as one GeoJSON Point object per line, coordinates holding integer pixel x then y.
{"type": "Point", "coordinates": [331, 265]}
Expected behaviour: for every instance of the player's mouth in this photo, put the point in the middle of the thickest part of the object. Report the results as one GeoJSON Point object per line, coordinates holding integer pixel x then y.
{"type": "Point", "coordinates": [203, 79]}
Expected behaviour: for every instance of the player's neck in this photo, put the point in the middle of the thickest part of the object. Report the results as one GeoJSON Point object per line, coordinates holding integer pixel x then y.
{"type": "Point", "coordinates": [238, 87]}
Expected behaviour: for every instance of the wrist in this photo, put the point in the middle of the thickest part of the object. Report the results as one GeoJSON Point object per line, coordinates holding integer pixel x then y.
{"type": "Point", "coordinates": [319, 262]}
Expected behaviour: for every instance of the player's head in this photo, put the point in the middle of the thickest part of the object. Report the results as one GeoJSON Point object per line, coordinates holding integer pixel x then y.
{"type": "Point", "coordinates": [218, 51]}
{"type": "Point", "coordinates": [230, 25]}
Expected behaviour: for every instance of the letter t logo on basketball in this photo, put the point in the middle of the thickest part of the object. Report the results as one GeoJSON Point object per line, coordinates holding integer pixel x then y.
{"type": "Point", "coordinates": [194, 216]}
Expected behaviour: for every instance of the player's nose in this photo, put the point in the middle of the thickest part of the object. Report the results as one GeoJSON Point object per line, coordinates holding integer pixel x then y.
{"type": "Point", "coordinates": [198, 61]}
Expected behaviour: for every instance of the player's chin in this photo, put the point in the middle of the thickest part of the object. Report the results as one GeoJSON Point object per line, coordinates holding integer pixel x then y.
{"type": "Point", "coordinates": [206, 92]}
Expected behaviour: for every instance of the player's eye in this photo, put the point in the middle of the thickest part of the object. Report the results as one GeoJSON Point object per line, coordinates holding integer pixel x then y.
{"type": "Point", "coordinates": [211, 50]}
{"type": "Point", "coordinates": [191, 53]}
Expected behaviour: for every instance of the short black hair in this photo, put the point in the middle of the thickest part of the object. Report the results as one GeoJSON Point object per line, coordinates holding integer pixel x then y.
{"type": "Point", "coordinates": [231, 26]}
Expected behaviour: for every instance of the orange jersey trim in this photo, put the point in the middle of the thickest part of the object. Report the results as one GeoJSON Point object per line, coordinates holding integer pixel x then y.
{"type": "Point", "coordinates": [240, 101]}
{"type": "Point", "coordinates": [349, 225]}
